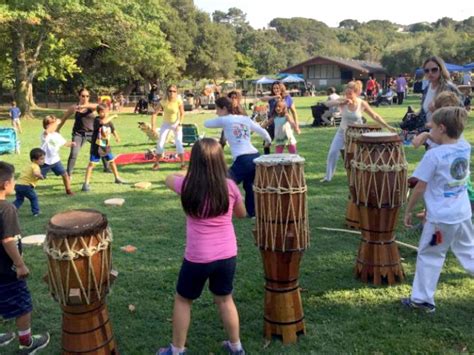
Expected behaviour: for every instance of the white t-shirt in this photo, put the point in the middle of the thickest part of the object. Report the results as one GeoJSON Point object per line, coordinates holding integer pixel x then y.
{"type": "Point", "coordinates": [237, 131]}
{"type": "Point", "coordinates": [51, 143]}
{"type": "Point", "coordinates": [445, 169]}
{"type": "Point", "coordinates": [467, 78]}
{"type": "Point", "coordinates": [429, 98]}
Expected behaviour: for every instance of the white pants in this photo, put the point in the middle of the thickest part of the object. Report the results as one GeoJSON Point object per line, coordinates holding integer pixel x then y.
{"type": "Point", "coordinates": [334, 153]}
{"type": "Point", "coordinates": [178, 138]}
{"type": "Point", "coordinates": [430, 260]}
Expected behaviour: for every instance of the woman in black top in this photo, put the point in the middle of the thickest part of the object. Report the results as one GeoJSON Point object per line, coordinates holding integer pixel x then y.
{"type": "Point", "coordinates": [84, 115]}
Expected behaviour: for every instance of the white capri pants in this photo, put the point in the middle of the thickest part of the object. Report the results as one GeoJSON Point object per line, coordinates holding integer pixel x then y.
{"type": "Point", "coordinates": [429, 262]}
{"type": "Point", "coordinates": [178, 138]}
{"type": "Point", "coordinates": [334, 153]}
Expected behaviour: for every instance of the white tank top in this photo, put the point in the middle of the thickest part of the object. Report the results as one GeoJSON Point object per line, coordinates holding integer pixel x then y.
{"type": "Point", "coordinates": [349, 117]}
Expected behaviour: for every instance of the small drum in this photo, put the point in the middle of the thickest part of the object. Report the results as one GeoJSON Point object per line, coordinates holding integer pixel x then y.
{"type": "Point", "coordinates": [353, 132]}
{"type": "Point", "coordinates": [282, 234]}
{"type": "Point", "coordinates": [379, 188]}
{"type": "Point", "coordinates": [79, 275]}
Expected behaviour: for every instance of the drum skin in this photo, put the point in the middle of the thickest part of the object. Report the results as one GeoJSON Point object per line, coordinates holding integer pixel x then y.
{"type": "Point", "coordinates": [379, 186]}
{"type": "Point", "coordinates": [282, 234]}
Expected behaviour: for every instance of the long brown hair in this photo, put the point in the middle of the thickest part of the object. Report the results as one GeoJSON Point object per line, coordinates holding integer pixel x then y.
{"type": "Point", "coordinates": [444, 77]}
{"type": "Point", "coordinates": [205, 192]}
{"type": "Point", "coordinates": [236, 107]}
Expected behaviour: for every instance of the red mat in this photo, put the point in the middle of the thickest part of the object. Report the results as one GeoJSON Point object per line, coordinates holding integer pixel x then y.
{"type": "Point", "coordinates": [139, 158]}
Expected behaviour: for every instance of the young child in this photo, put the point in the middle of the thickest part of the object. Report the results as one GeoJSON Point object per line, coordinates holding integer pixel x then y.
{"type": "Point", "coordinates": [100, 145]}
{"type": "Point", "coordinates": [444, 99]}
{"type": "Point", "coordinates": [15, 298]}
{"type": "Point", "coordinates": [237, 130]}
{"type": "Point", "coordinates": [51, 142]}
{"type": "Point", "coordinates": [442, 176]}
{"type": "Point", "coordinates": [283, 132]}
{"type": "Point", "coordinates": [28, 180]}
{"type": "Point", "coordinates": [209, 200]}
{"type": "Point", "coordinates": [15, 114]}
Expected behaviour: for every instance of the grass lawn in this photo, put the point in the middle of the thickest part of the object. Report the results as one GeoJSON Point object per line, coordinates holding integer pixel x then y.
{"type": "Point", "coordinates": [343, 315]}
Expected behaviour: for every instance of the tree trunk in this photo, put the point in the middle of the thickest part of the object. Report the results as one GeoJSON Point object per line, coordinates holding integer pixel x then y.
{"type": "Point", "coordinates": [23, 79]}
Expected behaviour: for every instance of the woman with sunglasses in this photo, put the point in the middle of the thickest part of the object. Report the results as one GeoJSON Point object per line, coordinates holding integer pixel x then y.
{"type": "Point", "coordinates": [438, 81]}
{"type": "Point", "coordinates": [173, 115]}
{"type": "Point", "coordinates": [83, 126]}
{"type": "Point", "coordinates": [278, 92]}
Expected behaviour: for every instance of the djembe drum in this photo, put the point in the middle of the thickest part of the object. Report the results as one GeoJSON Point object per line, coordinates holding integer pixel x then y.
{"type": "Point", "coordinates": [282, 234]}
{"type": "Point", "coordinates": [379, 187]}
{"type": "Point", "coordinates": [353, 132]}
{"type": "Point", "coordinates": [79, 276]}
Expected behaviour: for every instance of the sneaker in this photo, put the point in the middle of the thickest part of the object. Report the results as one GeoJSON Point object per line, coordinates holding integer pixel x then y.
{"type": "Point", "coordinates": [85, 187]}
{"type": "Point", "coordinates": [119, 181]}
{"type": "Point", "coordinates": [425, 306]}
{"type": "Point", "coordinates": [168, 351]}
{"type": "Point", "coordinates": [107, 170]}
{"type": "Point", "coordinates": [38, 342]}
{"type": "Point", "coordinates": [228, 349]}
{"type": "Point", "coordinates": [36, 214]}
{"type": "Point", "coordinates": [324, 180]}
{"type": "Point", "coordinates": [6, 338]}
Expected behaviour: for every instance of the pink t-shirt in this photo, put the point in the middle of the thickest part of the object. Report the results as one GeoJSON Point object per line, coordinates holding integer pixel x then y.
{"type": "Point", "coordinates": [211, 239]}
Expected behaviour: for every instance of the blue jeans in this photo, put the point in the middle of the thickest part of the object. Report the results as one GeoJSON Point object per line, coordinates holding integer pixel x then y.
{"type": "Point", "coordinates": [29, 192]}
{"type": "Point", "coordinates": [243, 170]}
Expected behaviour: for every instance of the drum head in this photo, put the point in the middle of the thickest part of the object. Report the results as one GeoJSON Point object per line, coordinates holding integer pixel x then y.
{"type": "Point", "coordinates": [379, 137]}
{"type": "Point", "coordinates": [279, 159]}
{"type": "Point", "coordinates": [76, 223]}
{"type": "Point", "coordinates": [358, 126]}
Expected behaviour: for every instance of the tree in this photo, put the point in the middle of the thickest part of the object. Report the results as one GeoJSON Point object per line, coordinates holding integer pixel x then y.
{"type": "Point", "coordinates": [213, 55]}
{"type": "Point", "coordinates": [349, 24]}
{"type": "Point", "coordinates": [30, 27]}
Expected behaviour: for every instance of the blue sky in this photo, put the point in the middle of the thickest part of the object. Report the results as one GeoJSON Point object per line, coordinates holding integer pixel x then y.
{"type": "Point", "coordinates": [260, 13]}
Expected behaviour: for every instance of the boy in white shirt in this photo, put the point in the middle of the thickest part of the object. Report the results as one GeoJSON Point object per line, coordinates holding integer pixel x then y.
{"type": "Point", "coordinates": [51, 142]}
{"type": "Point", "coordinates": [442, 175]}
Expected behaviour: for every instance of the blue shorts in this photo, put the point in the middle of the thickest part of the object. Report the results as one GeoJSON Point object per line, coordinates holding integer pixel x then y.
{"type": "Point", "coordinates": [193, 277]}
{"type": "Point", "coordinates": [57, 169]}
{"type": "Point", "coordinates": [15, 299]}
{"type": "Point", "coordinates": [96, 158]}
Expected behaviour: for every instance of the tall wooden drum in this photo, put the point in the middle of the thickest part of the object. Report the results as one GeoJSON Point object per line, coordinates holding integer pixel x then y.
{"type": "Point", "coordinates": [282, 234]}
{"type": "Point", "coordinates": [353, 132]}
{"type": "Point", "coordinates": [79, 276]}
{"type": "Point", "coordinates": [379, 187]}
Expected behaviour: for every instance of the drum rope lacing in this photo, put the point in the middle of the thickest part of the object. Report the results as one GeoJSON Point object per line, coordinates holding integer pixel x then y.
{"type": "Point", "coordinates": [272, 210]}
{"type": "Point", "coordinates": [55, 269]}
{"type": "Point", "coordinates": [396, 188]}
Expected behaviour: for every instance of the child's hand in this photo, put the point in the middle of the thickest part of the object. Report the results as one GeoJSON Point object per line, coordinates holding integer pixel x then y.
{"type": "Point", "coordinates": [420, 139]}
{"type": "Point", "coordinates": [267, 145]}
{"type": "Point", "coordinates": [392, 129]}
{"type": "Point", "coordinates": [22, 272]}
{"type": "Point", "coordinates": [407, 220]}
{"type": "Point", "coordinates": [298, 130]}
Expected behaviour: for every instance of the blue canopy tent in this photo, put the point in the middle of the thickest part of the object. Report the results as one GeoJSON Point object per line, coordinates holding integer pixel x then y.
{"type": "Point", "coordinates": [293, 79]}
{"type": "Point", "coordinates": [263, 81]}
{"type": "Point", "coordinates": [449, 66]}
{"type": "Point", "coordinates": [469, 66]}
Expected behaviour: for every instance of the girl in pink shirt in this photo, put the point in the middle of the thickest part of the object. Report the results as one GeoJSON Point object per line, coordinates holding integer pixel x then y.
{"type": "Point", "coordinates": [209, 200]}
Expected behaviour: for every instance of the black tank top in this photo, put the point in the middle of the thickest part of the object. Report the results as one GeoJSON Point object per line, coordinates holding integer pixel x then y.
{"type": "Point", "coordinates": [83, 122]}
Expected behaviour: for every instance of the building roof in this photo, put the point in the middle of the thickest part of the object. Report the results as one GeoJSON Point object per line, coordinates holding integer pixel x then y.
{"type": "Point", "coordinates": [362, 66]}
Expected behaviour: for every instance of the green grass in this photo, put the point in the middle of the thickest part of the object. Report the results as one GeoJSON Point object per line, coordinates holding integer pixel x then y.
{"type": "Point", "coordinates": [343, 315]}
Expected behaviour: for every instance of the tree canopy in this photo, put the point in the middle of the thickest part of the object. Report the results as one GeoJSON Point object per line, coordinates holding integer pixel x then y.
{"type": "Point", "coordinates": [115, 43]}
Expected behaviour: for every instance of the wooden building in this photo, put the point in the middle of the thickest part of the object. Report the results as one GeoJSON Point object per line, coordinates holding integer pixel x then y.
{"type": "Point", "coordinates": [323, 72]}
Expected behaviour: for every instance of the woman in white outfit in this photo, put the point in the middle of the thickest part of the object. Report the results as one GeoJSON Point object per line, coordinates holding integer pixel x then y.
{"type": "Point", "coordinates": [352, 108]}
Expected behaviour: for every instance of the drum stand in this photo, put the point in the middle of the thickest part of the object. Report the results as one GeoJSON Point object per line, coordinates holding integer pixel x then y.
{"type": "Point", "coordinates": [283, 311]}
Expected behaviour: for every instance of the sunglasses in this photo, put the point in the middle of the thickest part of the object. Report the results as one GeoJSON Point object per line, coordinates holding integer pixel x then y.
{"type": "Point", "coordinates": [84, 95]}
{"type": "Point", "coordinates": [171, 90]}
{"type": "Point", "coordinates": [433, 70]}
